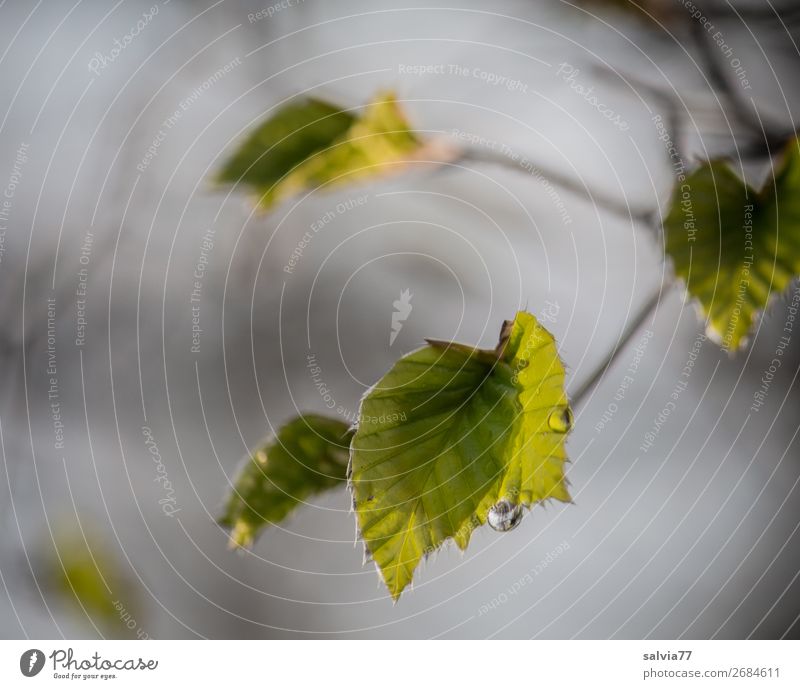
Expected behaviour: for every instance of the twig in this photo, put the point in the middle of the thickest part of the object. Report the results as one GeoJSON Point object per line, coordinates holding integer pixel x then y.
{"type": "Point", "coordinates": [668, 101]}
{"type": "Point", "coordinates": [788, 15]}
{"type": "Point", "coordinates": [631, 328]}
{"type": "Point", "coordinates": [621, 208]}
{"type": "Point", "coordinates": [649, 218]}
{"type": "Point", "coordinates": [756, 150]}
{"type": "Point", "coordinates": [772, 137]}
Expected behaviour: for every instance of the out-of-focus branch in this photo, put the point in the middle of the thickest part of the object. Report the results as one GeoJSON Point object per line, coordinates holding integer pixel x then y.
{"type": "Point", "coordinates": [647, 310]}
{"type": "Point", "coordinates": [620, 208]}
{"type": "Point", "coordinates": [771, 136]}
{"type": "Point", "coordinates": [754, 150]}
{"type": "Point", "coordinates": [763, 12]}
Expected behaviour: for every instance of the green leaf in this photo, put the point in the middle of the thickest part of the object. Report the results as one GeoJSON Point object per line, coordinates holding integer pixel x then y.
{"type": "Point", "coordinates": [734, 247]}
{"type": "Point", "coordinates": [452, 431]}
{"type": "Point", "coordinates": [84, 572]}
{"type": "Point", "coordinates": [308, 455]}
{"type": "Point", "coordinates": [312, 143]}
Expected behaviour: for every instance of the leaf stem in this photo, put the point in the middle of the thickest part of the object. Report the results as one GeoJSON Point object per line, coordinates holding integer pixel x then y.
{"type": "Point", "coordinates": [648, 309]}
{"type": "Point", "coordinates": [480, 155]}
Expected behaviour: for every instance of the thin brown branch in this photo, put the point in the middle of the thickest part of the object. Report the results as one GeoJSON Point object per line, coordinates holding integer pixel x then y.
{"type": "Point", "coordinates": [619, 207]}
{"type": "Point", "coordinates": [647, 310]}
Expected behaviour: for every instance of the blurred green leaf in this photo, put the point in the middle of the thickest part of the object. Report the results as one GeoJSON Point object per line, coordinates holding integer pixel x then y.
{"type": "Point", "coordinates": [84, 572]}
{"type": "Point", "coordinates": [451, 433]}
{"type": "Point", "coordinates": [312, 143]}
{"type": "Point", "coordinates": [308, 455]}
{"type": "Point", "coordinates": [734, 247]}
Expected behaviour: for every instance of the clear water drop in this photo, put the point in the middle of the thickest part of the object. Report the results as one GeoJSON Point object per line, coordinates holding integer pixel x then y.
{"type": "Point", "coordinates": [505, 516]}
{"type": "Point", "coordinates": [560, 420]}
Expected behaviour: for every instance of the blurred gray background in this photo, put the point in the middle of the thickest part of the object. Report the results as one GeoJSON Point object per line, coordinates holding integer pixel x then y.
{"type": "Point", "coordinates": [696, 537]}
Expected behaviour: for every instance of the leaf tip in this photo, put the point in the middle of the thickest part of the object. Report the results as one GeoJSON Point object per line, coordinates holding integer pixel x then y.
{"type": "Point", "coordinates": [242, 535]}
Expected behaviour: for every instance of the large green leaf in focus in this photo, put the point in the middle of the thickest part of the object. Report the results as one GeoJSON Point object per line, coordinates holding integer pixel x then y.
{"type": "Point", "coordinates": [452, 431]}
{"type": "Point", "coordinates": [308, 455]}
{"type": "Point", "coordinates": [735, 248]}
{"type": "Point", "coordinates": [311, 143]}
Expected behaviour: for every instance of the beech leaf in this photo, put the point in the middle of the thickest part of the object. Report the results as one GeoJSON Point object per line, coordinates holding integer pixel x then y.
{"type": "Point", "coordinates": [309, 455]}
{"type": "Point", "coordinates": [310, 143]}
{"type": "Point", "coordinates": [453, 434]}
{"type": "Point", "coordinates": [86, 573]}
{"type": "Point", "coordinates": [735, 248]}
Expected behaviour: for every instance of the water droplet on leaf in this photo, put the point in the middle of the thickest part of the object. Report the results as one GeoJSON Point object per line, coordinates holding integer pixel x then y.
{"type": "Point", "coordinates": [505, 516]}
{"type": "Point", "coordinates": [560, 420]}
